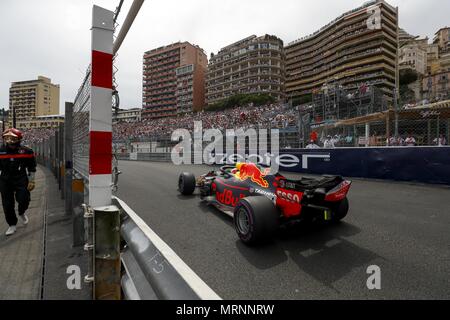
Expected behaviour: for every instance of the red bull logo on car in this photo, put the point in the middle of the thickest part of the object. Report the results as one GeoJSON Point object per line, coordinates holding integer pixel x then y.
{"type": "Point", "coordinates": [251, 171]}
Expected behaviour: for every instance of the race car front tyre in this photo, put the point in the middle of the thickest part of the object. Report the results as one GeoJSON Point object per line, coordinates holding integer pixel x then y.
{"type": "Point", "coordinates": [341, 210]}
{"type": "Point", "coordinates": [186, 183]}
{"type": "Point", "coordinates": [255, 219]}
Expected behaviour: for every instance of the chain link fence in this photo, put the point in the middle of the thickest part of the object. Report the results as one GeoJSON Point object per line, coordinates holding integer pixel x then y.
{"type": "Point", "coordinates": [81, 110]}
{"type": "Point", "coordinates": [49, 152]}
{"type": "Point", "coordinates": [364, 119]}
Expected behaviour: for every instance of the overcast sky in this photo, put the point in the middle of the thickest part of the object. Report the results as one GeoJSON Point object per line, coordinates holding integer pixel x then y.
{"type": "Point", "coordinates": [52, 37]}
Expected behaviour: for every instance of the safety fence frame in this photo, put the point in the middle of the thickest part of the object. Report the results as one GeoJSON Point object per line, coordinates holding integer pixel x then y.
{"type": "Point", "coordinates": [79, 155]}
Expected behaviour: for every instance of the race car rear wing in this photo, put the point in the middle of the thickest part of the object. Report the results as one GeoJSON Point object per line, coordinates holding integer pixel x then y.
{"type": "Point", "coordinates": [326, 182]}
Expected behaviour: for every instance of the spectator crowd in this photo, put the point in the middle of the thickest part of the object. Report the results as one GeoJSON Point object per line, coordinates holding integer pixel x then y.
{"type": "Point", "coordinates": [275, 116]}
{"type": "Point", "coordinates": [268, 116]}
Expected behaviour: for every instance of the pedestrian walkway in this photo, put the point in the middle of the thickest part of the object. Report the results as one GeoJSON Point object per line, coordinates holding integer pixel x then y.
{"type": "Point", "coordinates": [34, 260]}
{"type": "Point", "coordinates": [21, 253]}
{"type": "Point", "coordinates": [59, 252]}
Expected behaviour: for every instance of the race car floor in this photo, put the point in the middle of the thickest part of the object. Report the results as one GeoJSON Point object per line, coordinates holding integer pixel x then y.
{"type": "Point", "coordinates": [401, 228]}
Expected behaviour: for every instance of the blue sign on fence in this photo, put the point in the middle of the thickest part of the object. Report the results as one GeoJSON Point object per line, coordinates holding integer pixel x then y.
{"type": "Point", "coordinates": [418, 164]}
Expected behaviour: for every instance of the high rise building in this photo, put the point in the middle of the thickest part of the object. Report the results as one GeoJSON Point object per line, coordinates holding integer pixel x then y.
{"type": "Point", "coordinates": [173, 80]}
{"type": "Point", "coordinates": [360, 47]}
{"type": "Point", "coordinates": [33, 98]}
{"type": "Point", "coordinates": [249, 66]}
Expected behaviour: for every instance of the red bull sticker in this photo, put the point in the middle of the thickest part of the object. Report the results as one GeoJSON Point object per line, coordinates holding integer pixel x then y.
{"type": "Point", "coordinates": [252, 172]}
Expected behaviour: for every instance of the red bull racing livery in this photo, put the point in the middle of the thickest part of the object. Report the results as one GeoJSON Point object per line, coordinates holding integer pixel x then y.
{"type": "Point", "coordinates": [259, 201]}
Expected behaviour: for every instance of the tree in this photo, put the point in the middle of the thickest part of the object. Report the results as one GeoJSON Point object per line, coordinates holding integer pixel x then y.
{"type": "Point", "coordinates": [408, 76]}
{"type": "Point", "coordinates": [302, 100]}
{"type": "Point", "coordinates": [239, 100]}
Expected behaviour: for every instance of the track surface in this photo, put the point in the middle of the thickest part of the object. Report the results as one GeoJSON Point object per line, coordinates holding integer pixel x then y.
{"type": "Point", "coordinates": [402, 228]}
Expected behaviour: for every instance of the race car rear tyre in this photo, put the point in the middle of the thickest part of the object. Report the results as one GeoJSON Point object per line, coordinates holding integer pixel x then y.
{"type": "Point", "coordinates": [186, 183]}
{"type": "Point", "coordinates": [255, 219]}
{"type": "Point", "coordinates": [341, 210]}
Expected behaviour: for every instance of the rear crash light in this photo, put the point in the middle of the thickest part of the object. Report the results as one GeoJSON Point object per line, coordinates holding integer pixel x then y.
{"type": "Point", "coordinates": [339, 192]}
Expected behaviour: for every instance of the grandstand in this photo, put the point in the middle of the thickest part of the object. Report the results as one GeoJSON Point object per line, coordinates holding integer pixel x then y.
{"type": "Point", "coordinates": [363, 118]}
{"type": "Point", "coordinates": [347, 116]}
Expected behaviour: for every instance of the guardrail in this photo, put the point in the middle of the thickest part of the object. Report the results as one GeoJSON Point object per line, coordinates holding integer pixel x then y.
{"type": "Point", "coordinates": [153, 271]}
{"type": "Point", "coordinates": [127, 260]}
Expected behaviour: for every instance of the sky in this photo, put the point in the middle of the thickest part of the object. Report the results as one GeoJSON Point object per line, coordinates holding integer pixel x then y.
{"type": "Point", "coordinates": [52, 37]}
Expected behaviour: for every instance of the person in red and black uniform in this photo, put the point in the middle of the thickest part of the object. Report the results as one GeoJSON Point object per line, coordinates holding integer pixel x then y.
{"type": "Point", "coordinates": [18, 168]}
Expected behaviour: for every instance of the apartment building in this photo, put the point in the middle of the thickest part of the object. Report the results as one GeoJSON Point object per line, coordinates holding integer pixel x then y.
{"type": "Point", "coordinates": [40, 122]}
{"type": "Point", "coordinates": [252, 65]}
{"type": "Point", "coordinates": [173, 80]}
{"type": "Point", "coordinates": [442, 39]}
{"type": "Point", "coordinates": [34, 98]}
{"type": "Point", "coordinates": [413, 55]}
{"type": "Point", "coordinates": [127, 115]}
{"type": "Point", "coordinates": [436, 86]}
{"type": "Point", "coordinates": [359, 47]}
{"type": "Point", "coordinates": [404, 37]}
{"type": "Point", "coordinates": [432, 58]}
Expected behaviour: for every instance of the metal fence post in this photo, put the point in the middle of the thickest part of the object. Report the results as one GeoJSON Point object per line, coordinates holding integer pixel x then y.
{"type": "Point", "coordinates": [68, 142]}
{"type": "Point", "coordinates": [89, 245]}
{"type": "Point", "coordinates": [107, 265]}
{"type": "Point", "coordinates": [55, 155]}
{"type": "Point", "coordinates": [367, 134]}
{"type": "Point", "coordinates": [61, 159]}
{"type": "Point", "coordinates": [77, 212]}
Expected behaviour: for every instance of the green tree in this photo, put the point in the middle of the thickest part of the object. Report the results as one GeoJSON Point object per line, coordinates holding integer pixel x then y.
{"type": "Point", "coordinates": [408, 76]}
{"type": "Point", "coordinates": [239, 100]}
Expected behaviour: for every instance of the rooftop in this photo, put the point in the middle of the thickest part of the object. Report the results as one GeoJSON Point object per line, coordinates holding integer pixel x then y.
{"type": "Point", "coordinates": [342, 16]}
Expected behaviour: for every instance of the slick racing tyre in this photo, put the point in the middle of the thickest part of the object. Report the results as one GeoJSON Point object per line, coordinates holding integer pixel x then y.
{"type": "Point", "coordinates": [186, 183]}
{"type": "Point", "coordinates": [341, 210]}
{"type": "Point", "coordinates": [255, 219]}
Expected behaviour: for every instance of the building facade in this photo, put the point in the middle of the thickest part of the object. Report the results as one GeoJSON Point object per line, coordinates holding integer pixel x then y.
{"type": "Point", "coordinates": [444, 61]}
{"type": "Point", "coordinates": [34, 98]}
{"type": "Point", "coordinates": [432, 58]}
{"type": "Point", "coordinates": [40, 122]}
{"type": "Point", "coordinates": [442, 39]}
{"type": "Point", "coordinates": [436, 86]}
{"type": "Point", "coordinates": [413, 55]}
{"type": "Point", "coordinates": [358, 48]}
{"type": "Point", "coordinates": [250, 66]}
{"type": "Point", "coordinates": [404, 37]}
{"type": "Point", "coordinates": [173, 80]}
{"type": "Point", "coordinates": [127, 115]}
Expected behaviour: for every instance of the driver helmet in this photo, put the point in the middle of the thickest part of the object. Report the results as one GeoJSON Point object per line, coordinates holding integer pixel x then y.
{"type": "Point", "coordinates": [12, 136]}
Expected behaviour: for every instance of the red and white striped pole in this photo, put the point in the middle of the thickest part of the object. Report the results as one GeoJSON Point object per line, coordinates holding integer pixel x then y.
{"type": "Point", "coordinates": [100, 123]}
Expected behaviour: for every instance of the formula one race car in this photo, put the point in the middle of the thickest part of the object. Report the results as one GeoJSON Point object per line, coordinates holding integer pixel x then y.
{"type": "Point", "coordinates": [259, 202]}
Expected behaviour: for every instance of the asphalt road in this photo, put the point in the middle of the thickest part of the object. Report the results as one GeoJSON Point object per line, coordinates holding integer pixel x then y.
{"type": "Point", "coordinates": [401, 228]}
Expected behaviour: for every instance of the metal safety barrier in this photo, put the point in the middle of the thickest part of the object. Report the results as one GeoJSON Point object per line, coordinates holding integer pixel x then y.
{"type": "Point", "coordinates": [152, 270]}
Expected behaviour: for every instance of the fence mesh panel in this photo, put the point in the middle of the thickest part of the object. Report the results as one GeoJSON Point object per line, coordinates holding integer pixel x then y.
{"type": "Point", "coordinates": [81, 110]}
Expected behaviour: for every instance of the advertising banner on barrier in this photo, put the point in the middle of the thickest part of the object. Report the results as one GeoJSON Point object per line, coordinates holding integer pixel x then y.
{"type": "Point", "coordinates": [415, 164]}
{"type": "Point", "coordinates": [133, 155]}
